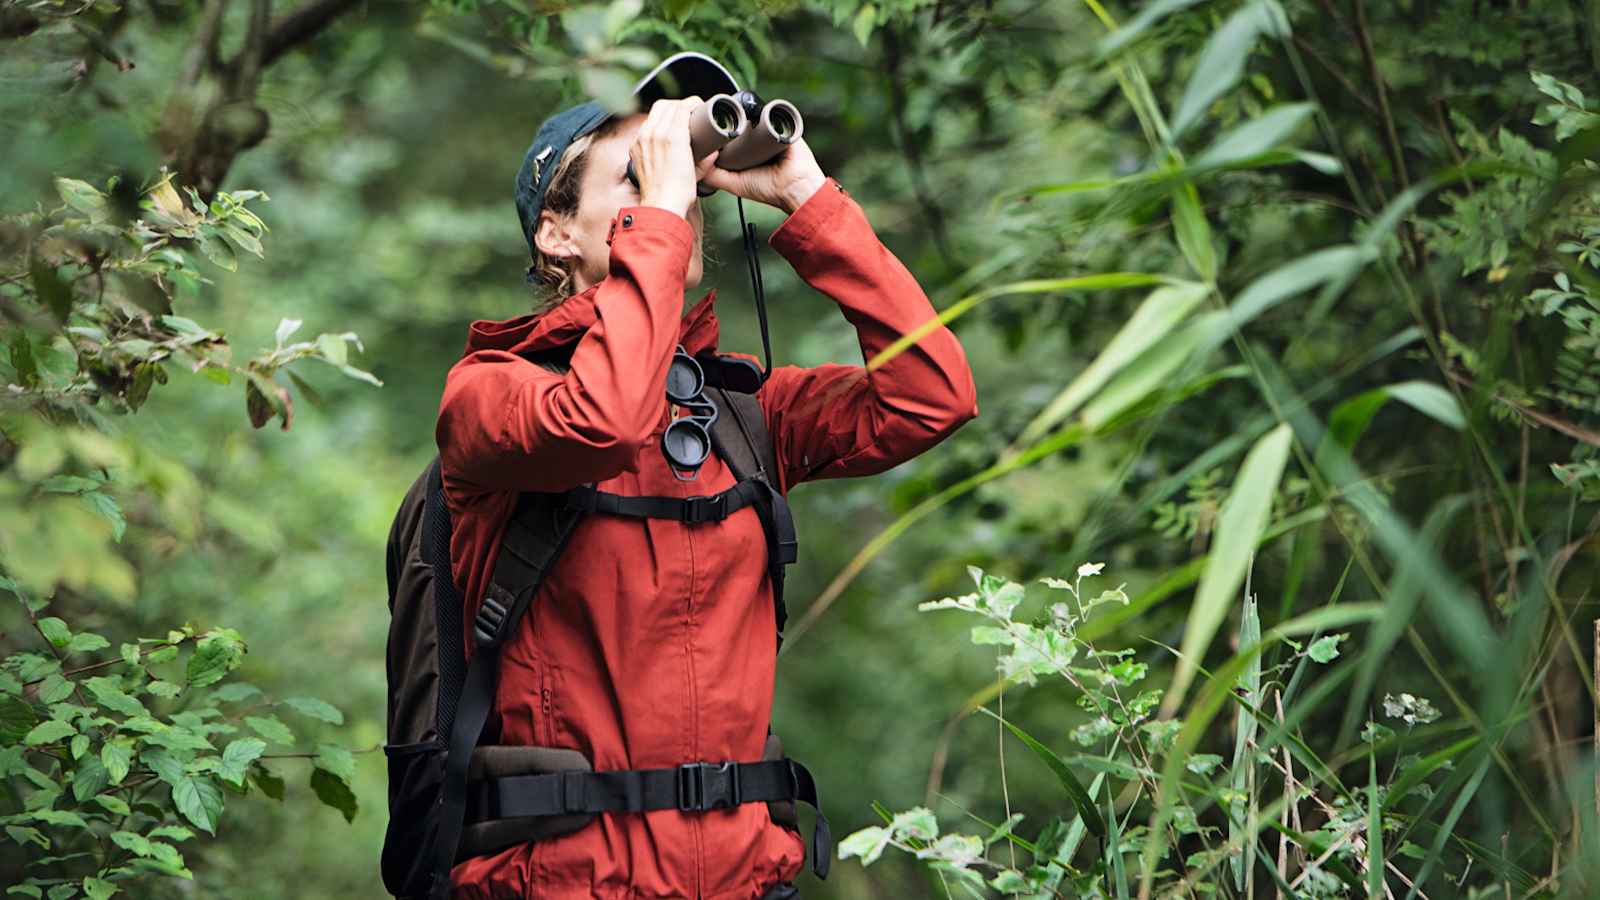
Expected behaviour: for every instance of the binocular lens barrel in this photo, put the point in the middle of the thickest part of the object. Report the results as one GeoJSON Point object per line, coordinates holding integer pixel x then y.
{"type": "Point", "coordinates": [776, 125]}
{"type": "Point", "coordinates": [724, 123]}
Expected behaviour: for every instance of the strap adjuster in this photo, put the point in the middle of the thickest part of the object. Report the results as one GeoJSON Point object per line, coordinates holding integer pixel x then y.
{"type": "Point", "coordinates": [703, 786]}
{"type": "Point", "coordinates": [705, 508]}
{"type": "Point", "coordinates": [489, 625]}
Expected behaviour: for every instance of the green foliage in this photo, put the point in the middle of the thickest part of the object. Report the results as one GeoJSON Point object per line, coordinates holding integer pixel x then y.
{"type": "Point", "coordinates": [1323, 207]}
{"type": "Point", "coordinates": [113, 770]}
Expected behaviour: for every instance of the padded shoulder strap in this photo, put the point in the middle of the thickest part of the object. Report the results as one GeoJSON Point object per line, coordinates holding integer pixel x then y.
{"type": "Point", "coordinates": [741, 437]}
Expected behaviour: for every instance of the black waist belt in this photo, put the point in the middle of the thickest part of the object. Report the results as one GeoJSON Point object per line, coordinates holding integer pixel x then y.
{"type": "Point", "coordinates": [691, 787]}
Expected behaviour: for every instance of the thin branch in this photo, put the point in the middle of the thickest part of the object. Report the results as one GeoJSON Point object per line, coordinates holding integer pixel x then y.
{"type": "Point", "coordinates": [302, 25]}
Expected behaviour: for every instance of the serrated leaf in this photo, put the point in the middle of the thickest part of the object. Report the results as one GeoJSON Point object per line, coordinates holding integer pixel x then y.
{"type": "Point", "coordinates": [117, 757]}
{"type": "Point", "coordinates": [270, 728]}
{"type": "Point", "coordinates": [1326, 649]}
{"type": "Point", "coordinates": [334, 792]}
{"type": "Point", "coordinates": [239, 754]}
{"type": "Point", "coordinates": [108, 693]}
{"type": "Point", "coordinates": [216, 654]}
{"type": "Point", "coordinates": [55, 689]}
{"type": "Point", "coordinates": [55, 631]}
{"type": "Point", "coordinates": [88, 779]}
{"type": "Point", "coordinates": [16, 718]}
{"type": "Point", "coordinates": [113, 804]}
{"type": "Point", "coordinates": [269, 783]}
{"type": "Point", "coordinates": [85, 642]}
{"type": "Point", "coordinates": [48, 732]}
{"type": "Point", "coordinates": [316, 709]}
{"type": "Point", "coordinates": [337, 760]}
{"type": "Point", "coordinates": [199, 800]}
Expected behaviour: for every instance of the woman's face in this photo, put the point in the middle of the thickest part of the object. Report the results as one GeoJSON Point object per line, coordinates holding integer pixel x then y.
{"type": "Point", "coordinates": [605, 190]}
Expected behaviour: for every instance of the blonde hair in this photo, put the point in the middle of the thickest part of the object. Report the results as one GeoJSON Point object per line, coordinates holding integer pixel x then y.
{"type": "Point", "coordinates": [554, 277]}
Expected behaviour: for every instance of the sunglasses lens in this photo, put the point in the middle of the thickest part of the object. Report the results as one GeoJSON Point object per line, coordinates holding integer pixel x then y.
{"type": "Point", "coordinates": [686, 444]}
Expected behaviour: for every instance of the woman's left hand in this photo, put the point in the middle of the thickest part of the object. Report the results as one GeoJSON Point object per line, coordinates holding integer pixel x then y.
{"type": "Point", "coordinates": [786, 182]}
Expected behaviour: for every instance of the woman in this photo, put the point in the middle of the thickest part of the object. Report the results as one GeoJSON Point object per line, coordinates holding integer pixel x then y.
{"type": "Point", "coordinates": [649, 644]}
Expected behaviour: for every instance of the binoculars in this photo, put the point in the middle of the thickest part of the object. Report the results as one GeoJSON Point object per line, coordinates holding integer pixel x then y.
{"type": "Point", "coordinates": [749, 132]}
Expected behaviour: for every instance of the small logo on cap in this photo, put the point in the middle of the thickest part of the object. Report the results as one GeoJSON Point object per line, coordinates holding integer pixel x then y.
{"type": "Point", "coordinates": [538, 162]}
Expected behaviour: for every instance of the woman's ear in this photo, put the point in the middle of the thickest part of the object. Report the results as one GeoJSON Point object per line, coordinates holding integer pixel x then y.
{"type": "Point", "coordinates": [553, 238]}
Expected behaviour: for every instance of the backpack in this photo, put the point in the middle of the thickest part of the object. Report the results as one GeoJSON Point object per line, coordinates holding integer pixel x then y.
{"type": "Point", "coordinates": [449, 797]}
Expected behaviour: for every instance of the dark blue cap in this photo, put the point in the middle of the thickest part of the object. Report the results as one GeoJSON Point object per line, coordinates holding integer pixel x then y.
{"type": "Point", "coordinates": [686, 74]}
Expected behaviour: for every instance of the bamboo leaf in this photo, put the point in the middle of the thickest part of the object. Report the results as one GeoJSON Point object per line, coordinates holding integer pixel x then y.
{"type": "Point", "coordinates": [1222, 62]}
{"type": "Point", "coordinates": [1254, 137]}
{"type": "Point", "coordinates": [1240, 522]}
{"type": "Point", "coordinates": [1160, 312]}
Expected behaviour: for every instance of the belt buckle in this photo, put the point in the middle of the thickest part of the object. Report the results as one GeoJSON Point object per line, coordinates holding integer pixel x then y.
{"type": "Point", "coordinates": [705, 786]}
{"type": "Point", "coordinates": [703, 508]}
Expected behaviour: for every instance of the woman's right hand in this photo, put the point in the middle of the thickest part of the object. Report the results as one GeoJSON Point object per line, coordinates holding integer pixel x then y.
{"type": "Point", "coordinates": [663, 160]}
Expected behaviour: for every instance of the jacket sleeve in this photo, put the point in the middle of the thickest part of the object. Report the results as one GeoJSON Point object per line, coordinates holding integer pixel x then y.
{"type": "Point", "coordinates": [508, 424]}
{"type": "Point", "coordinates": [838, 421]}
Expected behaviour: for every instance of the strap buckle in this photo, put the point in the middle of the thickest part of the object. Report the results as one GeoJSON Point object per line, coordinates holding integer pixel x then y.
{"type": "Point", "coordinates": [489, 625]}
{"type": "Point", "coordinates": [703, 786]}
{"type": "Point", "coordinates": [705, 508]}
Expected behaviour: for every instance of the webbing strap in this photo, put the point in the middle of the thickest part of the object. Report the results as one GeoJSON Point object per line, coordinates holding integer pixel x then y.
{"type": "Point", "coordinates": [699, 508]}
{"type": "Point", "coordinates": [525, 554]}
{"type": "Point", "coordinates": [476, 696]}
{"type": "Point", "coordinates": [691, 787]}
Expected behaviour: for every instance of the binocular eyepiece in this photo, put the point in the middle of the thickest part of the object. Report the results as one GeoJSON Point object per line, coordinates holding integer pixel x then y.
{"type": "Point", "coordinates": [749, 132]}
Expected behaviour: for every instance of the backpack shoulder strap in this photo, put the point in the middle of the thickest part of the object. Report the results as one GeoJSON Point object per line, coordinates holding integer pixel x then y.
{"type": "Point", "coordinates": [741, 438]}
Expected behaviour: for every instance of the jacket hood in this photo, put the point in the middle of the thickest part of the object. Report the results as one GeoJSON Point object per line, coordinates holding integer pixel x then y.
{"type": "Point", "coordinates": [566, 323]}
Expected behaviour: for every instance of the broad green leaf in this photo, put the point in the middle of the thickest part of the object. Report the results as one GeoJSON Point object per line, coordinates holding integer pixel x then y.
{"type": "Point", "coordinates": [1325, 649]}
{"type": "Point", "coordinates": [1222, 62]}
{"type": "Point", "coordinates": [85, 642]}
{"type": "Point", "coordinates": [868, 843]}
{"type": "Point", "coordinates": [55, 688]}
{"type": "Point", "coordinates": [55, 631]}
{"type": "Point", "coordinates": [334, 792]}
{"type": "Point", "coordinates": [216, 654]}
{"type": "Point", "coordinates": [270, 728]}
{"type": "Point", "coordinates": [117, 757]}
{"type": "Point", "coordinates": [48, 733]}
{"type": "Point", "coordinates": [237, 757]}
{"type": "Point", "coordinates": [108, 693]}
{"type": "Point", "coordinates": [199, 800]}
{"type": "Point", "coordinates": [88, 779]}
{"type": "Point", "coordinates": [1240, 522]}
{"type": "Point", "coordinates": [316, 709]}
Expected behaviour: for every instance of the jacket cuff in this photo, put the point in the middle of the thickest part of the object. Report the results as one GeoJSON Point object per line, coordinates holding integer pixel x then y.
{"type": "Point", "coordinates": [796, 232]}
{"type": "Point", "coordinates": [630, 219]}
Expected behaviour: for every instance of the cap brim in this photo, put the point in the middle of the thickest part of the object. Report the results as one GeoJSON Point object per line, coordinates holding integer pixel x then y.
{"type": "Point", "coordinates": [685, 74]}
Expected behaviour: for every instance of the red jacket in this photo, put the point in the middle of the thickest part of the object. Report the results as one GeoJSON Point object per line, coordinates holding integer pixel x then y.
{"type": "Point", "coordinates": [650, 643]}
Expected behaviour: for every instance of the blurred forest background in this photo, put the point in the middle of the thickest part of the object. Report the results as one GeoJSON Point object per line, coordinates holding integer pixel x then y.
{"type": "Point", "coordinates": [1284, 312]}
